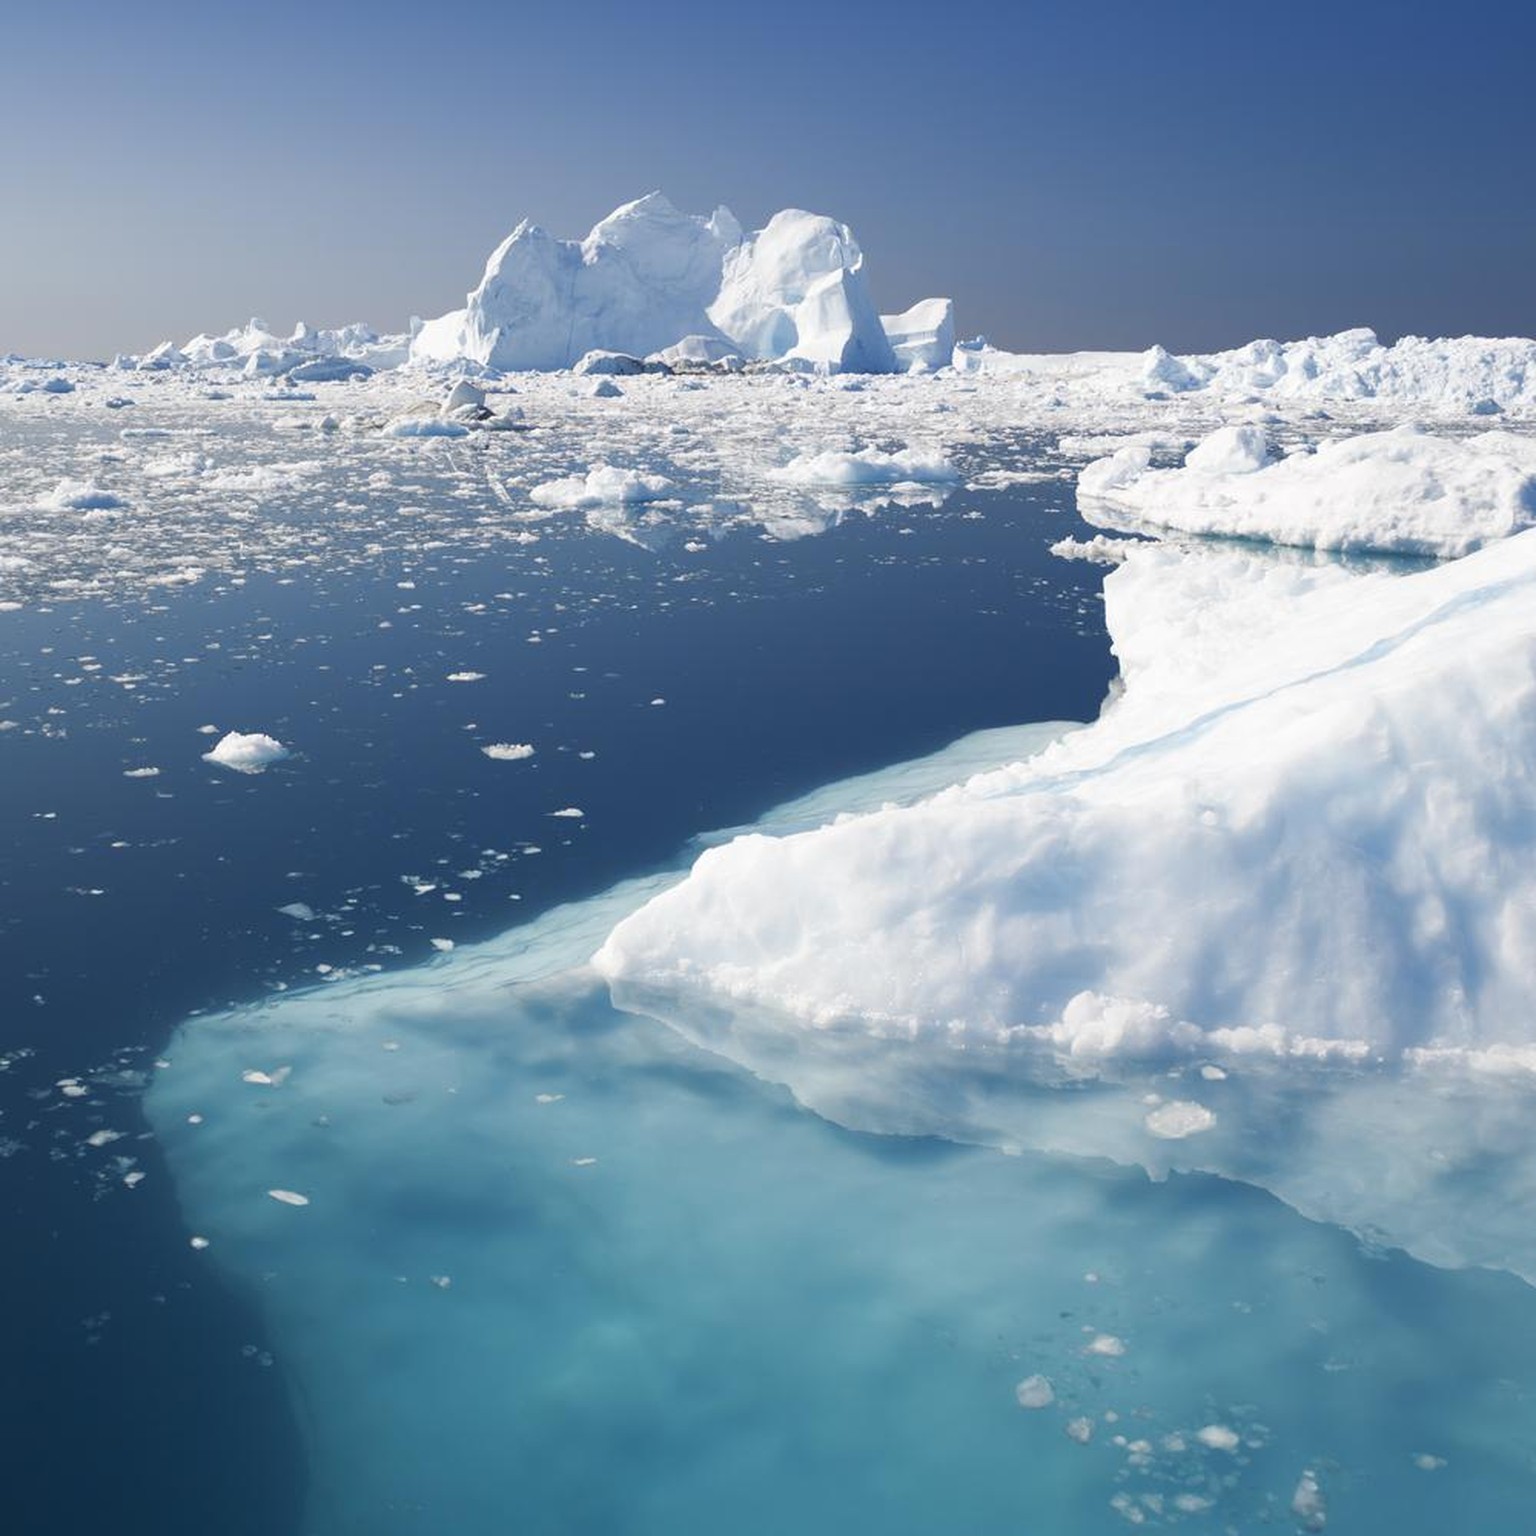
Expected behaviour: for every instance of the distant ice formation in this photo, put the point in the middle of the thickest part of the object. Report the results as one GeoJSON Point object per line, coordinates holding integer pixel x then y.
{"type": "Point", "coordinates": [650, 280]}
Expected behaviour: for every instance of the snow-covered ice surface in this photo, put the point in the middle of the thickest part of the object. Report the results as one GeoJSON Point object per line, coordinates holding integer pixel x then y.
{"type": "Point", "coordinates": [1267, 920]}
{"type": "Point", "coordinates": [1399, 492]}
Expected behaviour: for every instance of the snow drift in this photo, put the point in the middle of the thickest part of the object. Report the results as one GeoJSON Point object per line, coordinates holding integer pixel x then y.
{"type": "Point", "coordinates": [651, 280]}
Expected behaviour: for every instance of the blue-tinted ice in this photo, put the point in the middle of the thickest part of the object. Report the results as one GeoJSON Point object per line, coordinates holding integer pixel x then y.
{"type": "Point", "coordinates": [561, 1271]}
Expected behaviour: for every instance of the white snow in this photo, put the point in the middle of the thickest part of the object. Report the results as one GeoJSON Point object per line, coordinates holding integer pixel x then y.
{"type": "Point", "coordinates": [246, 752]}
{"type": "Point", "coordinates": [1403, 491]}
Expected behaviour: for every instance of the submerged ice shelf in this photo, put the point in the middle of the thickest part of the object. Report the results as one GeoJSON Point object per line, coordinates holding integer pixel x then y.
{"type": "Point", "coordinates": [543, 1236]}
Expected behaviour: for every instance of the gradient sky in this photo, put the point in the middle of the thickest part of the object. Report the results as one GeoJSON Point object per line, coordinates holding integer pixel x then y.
{"type": "Point", "coordinates": [1092, 175]}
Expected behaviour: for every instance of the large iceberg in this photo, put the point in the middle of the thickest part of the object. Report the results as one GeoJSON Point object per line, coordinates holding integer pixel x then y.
{"type": "Point", "coordinates": [1307, 827]}
{"type": "Point", "coordinates": [649, 279]}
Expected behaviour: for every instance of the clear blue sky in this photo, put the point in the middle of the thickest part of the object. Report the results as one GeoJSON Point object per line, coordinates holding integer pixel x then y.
{"type": "Point", "coordinates": [1091, 175]}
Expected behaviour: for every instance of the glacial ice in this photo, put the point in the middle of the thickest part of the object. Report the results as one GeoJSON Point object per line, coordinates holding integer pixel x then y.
{"type": "Point", "coordinates": [543, 1236]}
{"type": "Point", "coordinates": [1299, 846]}
{"type": "Point", "coordinates": [650, 280]}
{"type": "Point", "coordinates": [1402, 492]}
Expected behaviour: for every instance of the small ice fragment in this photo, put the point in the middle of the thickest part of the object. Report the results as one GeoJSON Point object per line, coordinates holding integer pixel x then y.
{"type": "Point", "coordinates": [582, 1162]}
{"type": "Point", "coordinates": [288, 1197]}
{"type": "Point", "coordinates": [1308, 1504]}
{"type": "Point", "coordinates": [72, 1088]}
{"type": "Point", "coordinates": [442, 945]}
{"type": "Point", "coordinates": [656, 702]}
{"type": "Point", "coordinates": [1213, 1074]}
{"type": "Point", "coordinates": [194, 1119]}
{"type": "Point", "coordinates": [507, 751]}
{"type": "Point", "coordinates": [249, 753]}
{"type": "Point", "coordinates": [259, 1079]}
{"type": "Point", "coordinates": [1428, 1463]}
{"type": "Point", "coordinates": [299, 911]}
{"type": "Point", "coordinates": [547, 1098]}
{"type": "Point", "coordinates": [103, 1138]}
{"type": "Point", "coordinates": [442, 1282]}
{"type": "Point", "coordinates": [1179, 1118]}
{"type": "Point", "coordinates": [135, 1178]}
{"type": "Point", "coordinates": [1191, 1503]}
{"type": "Point", "coordinates": [198, 1242]}
{"type": "Point", "coordinates": [1080, 1430]}
{"type": "Point", "coordinates": [466, 677]}
{"type": "Point", "coordinates": [1035, 1392]}
{"type": "Point", "coordinates": [1218, 1437]}
{"type": "Point", "coordinates": [1106, 1344]}
{"type": "Point", "coordinates": [141, 773]}
{"type": "Point", "coordinates": [570, 812]}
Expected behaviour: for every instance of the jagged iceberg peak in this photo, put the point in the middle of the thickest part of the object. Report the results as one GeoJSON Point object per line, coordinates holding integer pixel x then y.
{"type": "Point", "coordinates": [649, 279]}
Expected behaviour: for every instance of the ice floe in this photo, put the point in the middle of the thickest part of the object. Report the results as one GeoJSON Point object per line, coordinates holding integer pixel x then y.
{"type": "Point", "coordinates": [246, 752]}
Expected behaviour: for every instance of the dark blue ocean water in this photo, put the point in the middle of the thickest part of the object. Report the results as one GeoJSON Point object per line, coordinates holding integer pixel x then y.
{"type": "Point", "coordinates": [137, 1400]}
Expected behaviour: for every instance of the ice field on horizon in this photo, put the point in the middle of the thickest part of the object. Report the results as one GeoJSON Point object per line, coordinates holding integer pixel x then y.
{"type": "Point", "coordinates": [1116, 1122]}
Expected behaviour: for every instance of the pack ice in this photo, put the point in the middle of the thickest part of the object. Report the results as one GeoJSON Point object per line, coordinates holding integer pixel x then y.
{"type": "Point", "coordinates": [650, 280]}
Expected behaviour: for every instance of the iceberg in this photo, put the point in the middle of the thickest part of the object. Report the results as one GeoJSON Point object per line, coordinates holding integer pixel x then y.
{"type": "Point", "coordinates": [650, 280]}
{"type": "Point", "coordinates": [1399, 492]}
{"type": "Point", "coordinates": [1286, 879]}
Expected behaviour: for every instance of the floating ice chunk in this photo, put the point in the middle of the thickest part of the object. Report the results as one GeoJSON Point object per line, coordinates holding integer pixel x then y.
{"type": "Point", "coordinates": [922, 337]}
{"type": "Point", "coordinates": [288, 1197]}
{"type": "Point", "coordinates": [466, 677]}
{"type": "Point", "coordinates": [1236, 450]}
{"type": "Point", "coordinates": [1425, 1462]}
{"type": "Point", "coordinates": [103, 1138]}
{"type": "Point", "coordinates": [422, 426]}
{"type": "Point", "coordinates": [606, 389]}
{"type": "Point", "coordinates": [868, 466]}
{"type": "Point", "coordinates": [1098, 550]}
{"type": "Point", "coordinates": [569, 812]}
{"type": "Point", "coordinates": [80, 496]}
{"type": "Point", "coordinates": [507, 751]}
{"type": "Point", "coordinates": [1402, 491]}
{"type": "Point", "coordinates": [1178, 1119]}
{"type": "Point", "coordinates": [300, 911]}
{"type": "Point", "coordinates": [1308, 1504]}
{"type": "Point", "coordinates": [1035, 1392]}
{"type": "Point", "coordinates": [1105, 1344]}
{"type": "Point", "coordinates": [442, 946]}
{"type": "Point", "coordinates": [1079, 1429]}
{"type": "Point", "coordinates": [1219, 1437]}
{"type": "Point", "coordinates": [141, 773]}
{"type": "Point", "coordinates": [246, 753]}
{"type": "Point", "coordinates": [602, 485]}
{"type": "Point", "coordinates": [464, 396]}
